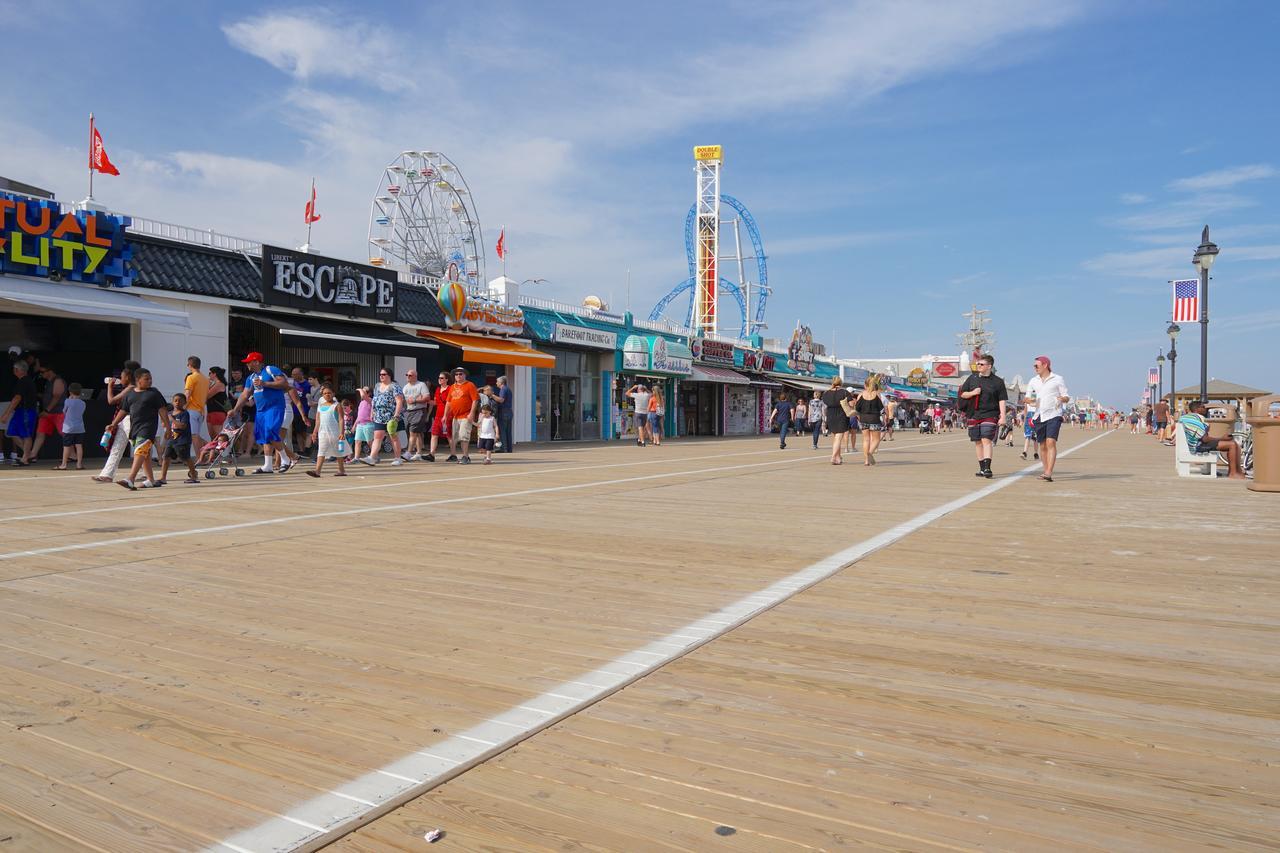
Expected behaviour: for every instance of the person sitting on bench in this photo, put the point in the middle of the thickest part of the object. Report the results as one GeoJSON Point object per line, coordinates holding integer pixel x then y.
{"type": "Point", "coordinates": [1196, 429]}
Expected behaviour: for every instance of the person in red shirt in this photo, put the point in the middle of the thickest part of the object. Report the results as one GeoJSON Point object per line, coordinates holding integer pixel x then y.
{"type": "Point", "coordinates": [439, 417]}
{"type": "Point", "coordinates": [461, 408]}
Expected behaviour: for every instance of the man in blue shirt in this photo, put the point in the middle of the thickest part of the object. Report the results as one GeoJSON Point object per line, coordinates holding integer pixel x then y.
{"type": "Point", "coordinates": [506, 414]}
{"type": "Point", "coordinates": [267, 383]}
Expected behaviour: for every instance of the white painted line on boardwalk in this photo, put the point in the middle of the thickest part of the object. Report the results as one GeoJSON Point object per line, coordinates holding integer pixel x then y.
{"type": "Point", "coordinates": [466, 749]}
{"type": "Point", "coordinates": [126, 504]}
{"type": "Point", "coordinates": [341, 513]}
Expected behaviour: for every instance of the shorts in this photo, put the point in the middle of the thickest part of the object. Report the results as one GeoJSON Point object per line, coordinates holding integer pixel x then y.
{"type": "Point", "coordinates": [1046, 430]}
{"type": "Point", "coordinates": [22, 424]}
{"type": "Point", "coordinates": [982, 429]}
{"type": "Point", "coordinates": [462, 429]}
{"type": "Point", "coordinates": [1160, 425]}
{"type": "Point", "coordinates": [142, 444]}
{"type": "Point", "coordinates": [415, 421]}
{"type": "Point", "coordinates": [71, 439]}
{"type": "Point", "coordinates": [178, 452]}
{"type": "Point", "coordinates": [641, 420]}
{"type": "Point", "coordinates": [198, 424]}
{"type": "Point", "coordinates": [266, 429]}
{"type": "Point", "coordinates": [364, 432]}
{"type": "Point", "coordinates": [655, 420]}
{"type": "Point", "coordinates": [440, 428]}
{"type": "Point", "coordinates": [49, 424]}
{"type": "Point", "coordinates": [486, 444]}
{"type": "Point", "coordinates": [874, 426]}
{"type": "Point", "coordinates": [1028, 429]}
{"type": "Point", "coordinates": [215, 420]}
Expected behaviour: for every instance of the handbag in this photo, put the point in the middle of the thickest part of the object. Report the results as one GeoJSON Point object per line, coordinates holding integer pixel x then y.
{"type": "Point", "coordinates": [848, 407]}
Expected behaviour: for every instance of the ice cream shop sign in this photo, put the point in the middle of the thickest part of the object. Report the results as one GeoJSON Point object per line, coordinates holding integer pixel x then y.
{"type": "Point", "coordinates": [39, 237]}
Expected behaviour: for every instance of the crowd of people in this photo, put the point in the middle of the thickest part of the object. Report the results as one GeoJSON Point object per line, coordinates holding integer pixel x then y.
{"type": "Point", "coordinates": [287, 415]}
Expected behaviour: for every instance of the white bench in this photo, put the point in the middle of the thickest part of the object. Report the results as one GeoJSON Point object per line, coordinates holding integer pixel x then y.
{"type": "Point", "coordinates": [1187, 462]}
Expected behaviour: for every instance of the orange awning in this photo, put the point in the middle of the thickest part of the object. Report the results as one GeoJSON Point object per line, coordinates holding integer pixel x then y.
{"type": "Point", "coordinates": [476, 348]}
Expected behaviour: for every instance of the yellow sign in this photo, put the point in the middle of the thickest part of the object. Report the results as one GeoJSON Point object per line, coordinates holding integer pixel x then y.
{"type": "Point", "coordinates": [708, 152]}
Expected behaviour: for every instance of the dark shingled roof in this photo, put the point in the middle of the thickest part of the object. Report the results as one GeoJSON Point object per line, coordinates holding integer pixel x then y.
{"type": "Point", "coordinates": [183, 268]}
{"type": "Point", "coordinates": [419, 307]}
{"type": "Point", "coordinates": [163, 265]}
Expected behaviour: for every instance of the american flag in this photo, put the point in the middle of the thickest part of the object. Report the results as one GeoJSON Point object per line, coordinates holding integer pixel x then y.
{"type": "Point", "coordinates": [1186, 300]}
{"type": "Point", "coordinates": [1152, 376]}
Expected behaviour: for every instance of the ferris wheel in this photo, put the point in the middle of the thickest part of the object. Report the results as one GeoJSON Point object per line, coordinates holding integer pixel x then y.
{"type": "Point", "coordinates": [423, 220]}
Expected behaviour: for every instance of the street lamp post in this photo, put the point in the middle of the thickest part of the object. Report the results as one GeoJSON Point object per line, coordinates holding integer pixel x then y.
{"type": "Point", "coordinates": [1172, 331]}
{"type": "Point", "coordinates": [1160, 364]}
{"type": "Point", "coordinates": [1204, 257]}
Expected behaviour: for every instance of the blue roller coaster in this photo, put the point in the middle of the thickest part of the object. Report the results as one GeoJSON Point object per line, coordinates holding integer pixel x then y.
{"type": "Point", "coordinates": [752, 321]}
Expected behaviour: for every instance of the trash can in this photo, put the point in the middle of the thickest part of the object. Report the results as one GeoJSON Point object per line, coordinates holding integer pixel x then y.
{"type": "Point", "coordinates": [1266, 445]}
{"type": "Point", "coordinates": [1223, 427]}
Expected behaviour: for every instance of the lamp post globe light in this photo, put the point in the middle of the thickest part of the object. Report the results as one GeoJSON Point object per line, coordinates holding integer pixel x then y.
{"type": "Point", "coordinates": [1172, 332]}
{"type": "Point", "coordinates": [1160, 364]}
{"type": "Point", "coordinates": [1203, 259]}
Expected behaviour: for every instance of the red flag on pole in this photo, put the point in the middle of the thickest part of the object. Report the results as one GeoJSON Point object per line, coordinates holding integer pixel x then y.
{"type": "Point", "coordinates": [502, 245]}
{"type": "Point", "coordinates": [98, 159]}
{"type": "Point", "coordinates": [311, 215]}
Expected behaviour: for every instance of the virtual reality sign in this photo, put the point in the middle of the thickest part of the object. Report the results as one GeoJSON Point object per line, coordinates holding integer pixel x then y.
{"type": "Point", "coordinates": [39, 237]}
{"type": "Point", "coordinates": [312, 283]}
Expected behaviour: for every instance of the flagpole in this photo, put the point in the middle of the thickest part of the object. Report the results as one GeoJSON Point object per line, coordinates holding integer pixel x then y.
{"type": "Point", "coordinates": [312, 214]}
{"type": "Point", "coordinates": [90, 156]}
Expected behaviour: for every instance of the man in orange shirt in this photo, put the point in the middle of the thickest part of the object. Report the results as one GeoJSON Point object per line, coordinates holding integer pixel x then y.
{"type": "Point", "coordinates": [464, 404]}
{"type": "Point", "coordinates": [197, 388]}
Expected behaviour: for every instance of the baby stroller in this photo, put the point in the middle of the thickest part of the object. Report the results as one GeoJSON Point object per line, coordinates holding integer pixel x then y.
{"type": "Point", "coordinates": [220, 452]}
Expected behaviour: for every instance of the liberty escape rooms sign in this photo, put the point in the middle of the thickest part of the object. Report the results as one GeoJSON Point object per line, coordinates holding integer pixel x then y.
{"type": "Point", "coordinates": [312, 283]}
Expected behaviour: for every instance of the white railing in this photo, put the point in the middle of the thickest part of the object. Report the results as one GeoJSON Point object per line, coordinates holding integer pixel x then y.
{"type": "Point", "coordinates": [663, 326]}
{"type": "Point", "coordinates": [731, 339]}
{"type": "Point", "coordinates": [194, 236]}
{"type": "Point", "coordinates": [568, 308]}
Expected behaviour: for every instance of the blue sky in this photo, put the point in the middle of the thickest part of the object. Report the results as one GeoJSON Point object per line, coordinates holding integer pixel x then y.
{"type": "Point", "coordinates": [1051, 161]}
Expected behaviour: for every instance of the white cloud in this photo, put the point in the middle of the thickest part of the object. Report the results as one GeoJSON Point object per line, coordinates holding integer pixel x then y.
{"type": "Point", "coordinates": [310, 44]}
{"type": "Point", "coordinates": [1188, 213]}
{"type": "Point", "coordinates": [1134, 198]}
{"type": "Point", "coordinates": [1224, 178]}
{"type": "Point", "coordinates": [1156, 264]}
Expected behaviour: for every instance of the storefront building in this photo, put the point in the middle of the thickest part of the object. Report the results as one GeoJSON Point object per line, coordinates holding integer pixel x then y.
{"type": "Point", "coordinates": [85, 290]}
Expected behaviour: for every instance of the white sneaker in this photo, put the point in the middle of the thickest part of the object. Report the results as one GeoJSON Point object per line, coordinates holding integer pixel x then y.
{"type": "Point", "coordinates": [368, 460]}
{"type": "Point", "coordinates": [417, 457]}
{"type": "Point", "coordinates": [398, 462]}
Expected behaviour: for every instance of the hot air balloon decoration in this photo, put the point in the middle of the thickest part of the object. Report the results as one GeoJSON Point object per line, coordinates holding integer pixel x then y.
{"type": "Point", "coordinates": [452, 297]}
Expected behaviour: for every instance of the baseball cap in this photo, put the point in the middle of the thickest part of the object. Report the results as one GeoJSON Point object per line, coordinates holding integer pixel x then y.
{"type": "Point", "coordinates": [253, 356]}
{"type": "Point", "coordinates": [461, 370]}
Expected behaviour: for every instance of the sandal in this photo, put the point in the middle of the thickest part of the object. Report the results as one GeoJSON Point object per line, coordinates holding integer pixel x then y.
{"type": "Point", "coordinates": [60, 468]}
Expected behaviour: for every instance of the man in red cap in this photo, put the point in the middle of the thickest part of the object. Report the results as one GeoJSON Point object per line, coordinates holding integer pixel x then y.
{"type": "Point", "coordinates": [268, 384]}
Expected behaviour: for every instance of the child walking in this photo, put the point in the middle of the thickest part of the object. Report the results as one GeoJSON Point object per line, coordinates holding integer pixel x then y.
{"type": "Point", "coordinates": [487, 431]}
{"type": "Point", "coordinates": [72, 428]}
{"type": "Point", "coordinates": [179, 447]}
{"type": "Point", "coordinates": [326, 433]}
{"type": "Point", "coordinates": [348, 427]}
{"type": "Point", "coordinates": [143, 404]}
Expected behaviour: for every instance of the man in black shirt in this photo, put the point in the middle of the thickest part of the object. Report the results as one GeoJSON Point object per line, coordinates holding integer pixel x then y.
{"type": "Point", "coordinates": [143, 405]}
{"type": "Point", "coordinates": [984, 399]}
{"type": "Point", "coordinates": [22, 411]}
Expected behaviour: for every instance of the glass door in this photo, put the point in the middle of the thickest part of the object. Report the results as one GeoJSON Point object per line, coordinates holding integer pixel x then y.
{"type": "Point", "coordinates": [566, 422]}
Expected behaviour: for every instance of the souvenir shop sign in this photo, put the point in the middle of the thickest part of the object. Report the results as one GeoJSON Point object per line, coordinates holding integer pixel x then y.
{"type": "Point", "coordinates": [945, 368]}
{"type": "Point", "coordinates": [312, 283]}
{"type": "Point", "coordinates": [712, 352]}
{"type": "Point", "coordinates": [657, 354]}
{"type": "Point", "coordinates": [38, 237]}
{"type": "Point", "coordinates": [917, 377]}
{"type": "Point", "coordinates": [581, 336]}
{"type": "Point", "coordinates": [800, 351]}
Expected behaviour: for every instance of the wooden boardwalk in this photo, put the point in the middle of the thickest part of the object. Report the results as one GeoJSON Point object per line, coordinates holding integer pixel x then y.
{"type": "Point", "coordinates": [1083, 664]}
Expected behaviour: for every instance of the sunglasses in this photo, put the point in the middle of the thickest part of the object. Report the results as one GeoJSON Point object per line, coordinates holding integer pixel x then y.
{"type": "Point", "coordinates": [384, 373]}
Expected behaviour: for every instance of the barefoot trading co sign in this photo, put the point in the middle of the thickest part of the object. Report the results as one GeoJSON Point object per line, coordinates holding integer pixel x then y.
{"type": "Point", "coordinates": [39, 238]}
{"type": "Point", "coordinates": [309, 282]}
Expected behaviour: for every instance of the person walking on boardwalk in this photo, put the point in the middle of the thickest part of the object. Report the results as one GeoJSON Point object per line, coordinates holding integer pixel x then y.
{"type": "Point", "coordinates": [506, 416]}
{"type": "Point", "coordinates": [462, 408]}
{"type": "Point", "coordinates": [142, 404]}
{"type": "Point", "coordinates": [835, 399]}
{"type": "Point", "coordinates": [440, 422]}
{"type": "Point", "coordinates": [984, 398]}
{"type": "Point", "coordinates": [388, 406]}
{"type": "Point", "coordinates": [327, 434]}
{"type": "Point", "coordinates": [1047, 393]}
{"type": "Point", "coordinates": [781, 415]}
{"type": "Point", "coordinates": [639, 394]}
{"type": "Point", "coordinates": [869, 407]}
{"type": "Point", "coordinates": [266, 384]}
{"type": "Point", "coordinates": [817, 412]}
{"type": "Point", "coordinates": [890, 412]}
